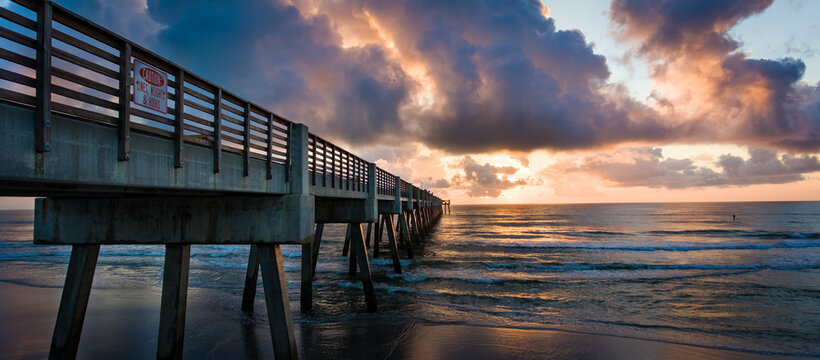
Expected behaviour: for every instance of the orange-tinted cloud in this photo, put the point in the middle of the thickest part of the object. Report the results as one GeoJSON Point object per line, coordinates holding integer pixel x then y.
{"type": "Point", "coordinates": [647, 167]}
{"type": "Point", "coordinates": [706, 83]}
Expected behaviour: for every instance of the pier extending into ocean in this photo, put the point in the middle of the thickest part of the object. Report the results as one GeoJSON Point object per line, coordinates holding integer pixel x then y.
{"type": "Point", "coordinates": [122, 146]}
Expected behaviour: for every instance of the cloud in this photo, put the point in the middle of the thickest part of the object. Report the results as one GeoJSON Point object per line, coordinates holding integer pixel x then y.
{"type": "Point", "coordinates": [124, 17]}
{"type": "Point", "coordinates": [485, 180]}
{"type": "Point", "coordinates": [709, 84]}
{"type": "Point", "coordinates": [647, 167]}
{"type": "Point", "coordinates": [481, 76]}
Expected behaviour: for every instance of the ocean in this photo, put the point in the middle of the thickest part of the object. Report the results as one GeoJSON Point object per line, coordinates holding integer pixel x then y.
{"type": "Point", "coordinates": [735, 276]}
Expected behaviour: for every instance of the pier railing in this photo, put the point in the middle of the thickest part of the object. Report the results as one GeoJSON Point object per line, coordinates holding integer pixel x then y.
{"type": "Point", "coordinates": [55, 61]}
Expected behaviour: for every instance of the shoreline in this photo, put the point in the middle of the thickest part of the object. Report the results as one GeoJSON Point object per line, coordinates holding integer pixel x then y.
{"type": "Point", "coordinates": [123, 323]}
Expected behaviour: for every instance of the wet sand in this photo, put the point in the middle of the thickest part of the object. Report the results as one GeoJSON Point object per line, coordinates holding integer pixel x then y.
{"type": "Point", "coordinates": [122, 324]}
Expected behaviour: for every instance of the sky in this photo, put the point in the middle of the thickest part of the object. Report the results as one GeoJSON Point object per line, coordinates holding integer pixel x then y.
{"type": "Point", "coordinates": [486, 101]}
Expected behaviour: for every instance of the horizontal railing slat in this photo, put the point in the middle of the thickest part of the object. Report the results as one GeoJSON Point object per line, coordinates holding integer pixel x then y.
{"type": "Point", "coordinates": [84, 81]}
{"type": "Point", "coordinates": [76, 60]}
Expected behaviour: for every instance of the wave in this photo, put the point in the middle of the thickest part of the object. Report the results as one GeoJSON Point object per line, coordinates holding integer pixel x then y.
{"type": "Point", "coordinates": [742, 233]}
{"type": "Point", "coordinates": [670, 247]}
{"type": "Point", "coordinates": [623, 266]}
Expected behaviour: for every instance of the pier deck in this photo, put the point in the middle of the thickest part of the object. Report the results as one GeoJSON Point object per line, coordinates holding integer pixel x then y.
{"type": "Point", "coordinates": [196, 164]}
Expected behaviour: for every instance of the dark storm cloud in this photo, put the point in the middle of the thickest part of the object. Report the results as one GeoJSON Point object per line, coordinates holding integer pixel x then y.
{"type": "Point", "coordinates": [270, 53]}
{"type": "Point", "coordinates": [756, 101]}
{"type": "Point", "coordinates": [502, 75]}
{"type": "Point", "coordinates": [484, 180]}
{"type": "Point", "coordinates": [647, 167]}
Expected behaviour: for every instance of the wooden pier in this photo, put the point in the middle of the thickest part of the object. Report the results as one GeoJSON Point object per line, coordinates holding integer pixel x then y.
{"type": "Point", "coordinates": [212, 168]}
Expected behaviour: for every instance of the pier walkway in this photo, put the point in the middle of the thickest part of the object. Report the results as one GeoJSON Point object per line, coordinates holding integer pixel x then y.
{"type": "Point", "coordinates": [122, 146]}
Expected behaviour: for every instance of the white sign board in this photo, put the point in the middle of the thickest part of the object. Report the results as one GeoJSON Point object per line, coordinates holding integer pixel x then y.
{"type": "Point", "coordinates": [150, 87]}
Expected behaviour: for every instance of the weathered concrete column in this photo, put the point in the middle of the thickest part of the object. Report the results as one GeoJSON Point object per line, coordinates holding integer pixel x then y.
{"type": "Point", "coordinates": [276, 300]}
{"type": "Point", "coordinates": [317, 242]}
{"type": "Point", "coordinates": [251, 277]}
{"type": "Point", "coordinates": [359, 252]}
{"type": "Point", "coordinates": [387, 221]}
{"type": "Point", "coordinates": [74, 302]}
{"type": "Point", "coordinates": [377, 235]}
{"type": "Point", "coordinates": [174, 300]}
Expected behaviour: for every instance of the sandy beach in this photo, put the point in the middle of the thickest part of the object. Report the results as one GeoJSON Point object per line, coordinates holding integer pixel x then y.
{"type": "Point", "coordinates": [122, 324]}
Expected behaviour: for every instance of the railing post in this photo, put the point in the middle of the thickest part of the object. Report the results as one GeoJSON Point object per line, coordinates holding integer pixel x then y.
{"type": "Point", "coordinates": [179, 120]}
{"type": "Point", "coordinates": [42, 108]}
{"type": "Point", "coordinates": [324, 163]}
{"type": "Point", "coordinates": [246, 142]}
{"type": "Point", "coordinates": [218, 130]}
{"type": "Point", "coordinates": [124, 133]}
{"type": "Point", "coordinates": [269, 157]}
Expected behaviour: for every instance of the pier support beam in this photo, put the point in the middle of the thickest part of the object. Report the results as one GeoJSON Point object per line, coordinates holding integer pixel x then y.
{"type": "Point", "coordinates": [276, 300]}
{"type": "Point", "coordinates": [405, 234]}
{"type": "Point", "coordinates": [306, 295]}
{"type": "Point", "coordinates": [74, 302]}
{"type": "Point", "coordinates": [174, 298]}
{"type": "Point", "coordinates": [387, 224]}
{"type": "Point", "coordinates": [377, 235]}
{"type": "Point", "coordinates": [251, 278]}
{"type": "Point", "coordinates": [359, 251]}
{"type": "Point", "coordinates": [317, 242]}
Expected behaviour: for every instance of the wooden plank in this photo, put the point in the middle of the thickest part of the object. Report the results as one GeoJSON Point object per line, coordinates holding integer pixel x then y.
{"type": "Point", "coordinates": [179, 118]}
{"type": "Point", "coordinates": [218, 130]}
{"type": "Point", "coordinates": [42, 107]}
{"type": "Point", "coordinates": [246, 141]}
{"type": "Point", "coordinates": [86, 27]}
{"type": "Point", "coordinates": [84, 81]}
{"type": "Point", "coordinates": [17, 37]}
{"type": "Point", "coordinates": [124, 128]}
{"type": "Point", "coordinates": [193, 105]}
{"type": "Point", "coordinates": [76, 60]}
{"type": "Point", "coordinates": [83, 114]}
{"type": "Point", "coordinates": [90, 99]}
{"type": "Point", "coordinates": [197, 94]}
{"type": "Point", "coordinates": [392, 244]}
{"type": "Point", "coordinates": [198, 120]}
{"type": "Point", "coordinates": [197, 130]}
{"type": "Point", "coordinates": [364, 267]}
{"type": "Point", "coordinates": [278, 305]}
{"type": "Point", "coordinates": [251, 277]}
{"type": "Point", "coordinates": [17, 97]}
{"type": "Point", "coordinates": [174, 299]}
{"type": "Point", "coordinates": [82, 45]}
{"type": "Point", "coordinates": [74, 301]}
{"type": "Point", "coordinates": [17, 78]}
{"type": "Point", "coordinates": [17, 19]}
{"type": "Point", "coordinates": [150, 116]}
{"type": "Point", "coordinates": [17, 58]}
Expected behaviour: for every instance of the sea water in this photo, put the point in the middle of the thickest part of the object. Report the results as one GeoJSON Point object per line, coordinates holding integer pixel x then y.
{"type": "Point", "coordinates": [742, 276]}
